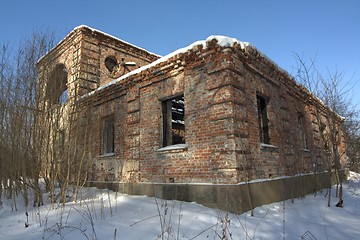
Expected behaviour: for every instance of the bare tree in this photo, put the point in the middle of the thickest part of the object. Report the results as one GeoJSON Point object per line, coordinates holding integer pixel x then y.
{"type": "Point", "coordinates": [44, 133]}
{"type": "Point", "coordinates": [62, 132]}
{"type": "Point", "coordinates": [338, 121]}
{"type": "Point", "coordinates": [17, 113]}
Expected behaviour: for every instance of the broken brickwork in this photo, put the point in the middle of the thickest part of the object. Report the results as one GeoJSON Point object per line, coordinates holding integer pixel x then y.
{"type": "Point", "coordinates": [215, 94]}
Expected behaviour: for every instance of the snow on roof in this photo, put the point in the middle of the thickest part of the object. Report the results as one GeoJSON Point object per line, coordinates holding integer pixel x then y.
{"type": "Point", "coordinates": [222, 41]}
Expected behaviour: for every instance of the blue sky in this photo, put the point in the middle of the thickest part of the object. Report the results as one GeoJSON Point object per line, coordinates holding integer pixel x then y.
{"type": "Point", "coordinates": [327, 29]}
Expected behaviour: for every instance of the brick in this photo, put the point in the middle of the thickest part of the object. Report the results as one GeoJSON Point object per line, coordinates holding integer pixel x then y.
{"type": "Point", "coordinates": [220, 87]}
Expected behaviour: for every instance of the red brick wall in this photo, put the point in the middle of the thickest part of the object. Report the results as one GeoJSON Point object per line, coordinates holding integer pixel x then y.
{"type": "Point", "coordinates": [222, 135]}
{"type": "Point", "coordinates": [220, 88]}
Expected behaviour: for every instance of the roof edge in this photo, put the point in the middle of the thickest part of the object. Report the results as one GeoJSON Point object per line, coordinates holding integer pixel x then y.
{"type": "Point", "coordinates": [87, 28]}
{"type": "Point", "coordinates": [224, 42]}
{"type": "Point", "coordinates": [113, 37]}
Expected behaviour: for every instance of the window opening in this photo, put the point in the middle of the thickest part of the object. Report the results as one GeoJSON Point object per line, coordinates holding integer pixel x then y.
{"type": "Point", "coordinates": [111, 64]}
{"type": "Point", "coordinates": [263, 120]}
{"type": "Point", "coordinates": [302, 135]}
{"type": "Point", "coordinates": [108, 135]}
{"type": "Point", "coordinates": [173, 121]}
{"type": "Point", "coordinates": [57, 90]}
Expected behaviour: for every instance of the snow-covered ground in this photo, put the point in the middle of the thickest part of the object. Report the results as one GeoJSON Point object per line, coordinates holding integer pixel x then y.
{"type": "Point", "coordinates": [107, 215]}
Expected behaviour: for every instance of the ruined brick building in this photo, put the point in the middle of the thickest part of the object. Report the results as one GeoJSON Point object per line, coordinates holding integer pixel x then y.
{"type": "Point", "coordinates": [217, 111]}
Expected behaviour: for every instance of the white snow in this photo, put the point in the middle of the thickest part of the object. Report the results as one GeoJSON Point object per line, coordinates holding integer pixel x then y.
{"type": "Point", "coordinates": [173, 147]}
{"type": "Point", "coordinates": [130, 64]}
{"type": "Point", "coordinates": [224, 41]}
{"type": "Point", "coordinates": [264, 145]}
{"type": "Point", "coordinates": [140, 217]}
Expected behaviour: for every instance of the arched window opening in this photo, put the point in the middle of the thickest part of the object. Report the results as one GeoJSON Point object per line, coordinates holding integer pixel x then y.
{"type": "Point", "coordinates": [111, 64]}
{"type": "Point", "coordinates": [57, 90]}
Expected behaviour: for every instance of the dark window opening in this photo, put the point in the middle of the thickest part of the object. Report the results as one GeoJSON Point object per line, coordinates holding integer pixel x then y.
{"type": "Point", "coordinates": [108, 135]}
{"type": "Point", "coordinates": [173, 121]}
{"type": "Point", "coordinates": [57, 90]}
{"type": "Point", "coordinates": [325, 135]}
{"type": "Point", "coordinates": [111, 64]}
{"type": "Point", "coordinates": [263, 120]}
{"type": "Point", "coordinates": [302, 134]}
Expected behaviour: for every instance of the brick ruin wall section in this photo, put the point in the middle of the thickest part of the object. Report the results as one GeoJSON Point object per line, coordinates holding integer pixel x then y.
{"type": "Point", "coordinates": [210, 155]}
{"type": "Point", "coordinates": [220, 88]}
{"type": "Point", "coordinates": [94, 50]}
{"type": "Point", "coordinates": [83, 53]}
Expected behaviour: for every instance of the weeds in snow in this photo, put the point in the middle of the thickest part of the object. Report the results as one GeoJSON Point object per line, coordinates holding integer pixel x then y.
{"type": "Point", "coordinates": [62, 227]}
{"type": "Point", "coordinates": [165, 220]}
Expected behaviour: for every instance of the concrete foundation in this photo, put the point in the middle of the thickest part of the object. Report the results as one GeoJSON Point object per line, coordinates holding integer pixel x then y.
{"type": "Point", "coordinates": [236, 198]}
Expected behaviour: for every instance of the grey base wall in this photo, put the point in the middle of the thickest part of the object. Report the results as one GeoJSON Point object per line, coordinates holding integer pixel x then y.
{"type": "Point", "coordinates": [236, 198]}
